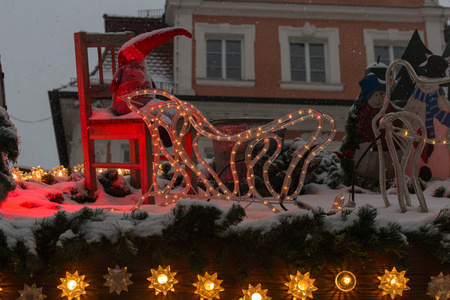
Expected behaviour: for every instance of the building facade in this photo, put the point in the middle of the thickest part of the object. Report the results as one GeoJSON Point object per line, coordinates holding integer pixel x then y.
{"type": "Point", "coordinates": [262, 59]}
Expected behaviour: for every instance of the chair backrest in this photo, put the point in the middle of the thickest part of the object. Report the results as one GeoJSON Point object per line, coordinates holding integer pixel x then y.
{"type": "Point", "coordinates": [104, 43]}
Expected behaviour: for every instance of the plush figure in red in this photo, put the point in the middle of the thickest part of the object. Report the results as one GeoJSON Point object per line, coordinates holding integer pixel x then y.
{"type": "Point", "coordinates": [132, 74]}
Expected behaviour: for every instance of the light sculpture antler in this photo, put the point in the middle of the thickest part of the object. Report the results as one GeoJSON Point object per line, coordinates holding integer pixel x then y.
{"type": "Point", "coordinates": [187, 116]}
{"type": "Point", "coordinates": [404, 137]}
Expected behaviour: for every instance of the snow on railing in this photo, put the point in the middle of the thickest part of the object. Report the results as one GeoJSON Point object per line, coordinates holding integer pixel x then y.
{"type": "Point", "coordinates": [150, 13]}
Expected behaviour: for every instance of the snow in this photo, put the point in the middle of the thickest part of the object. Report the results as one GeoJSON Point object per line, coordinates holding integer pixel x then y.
{"type": "Point", "coordinates": [24, 209]}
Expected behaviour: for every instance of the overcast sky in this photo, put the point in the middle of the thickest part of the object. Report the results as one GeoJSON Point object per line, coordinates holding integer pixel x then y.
{"type": "Point", "coordinates": [37, 55]}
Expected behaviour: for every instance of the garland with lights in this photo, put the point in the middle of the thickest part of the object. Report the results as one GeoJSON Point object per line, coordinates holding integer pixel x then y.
{"type": "Point", "coordinates": [303, 241]}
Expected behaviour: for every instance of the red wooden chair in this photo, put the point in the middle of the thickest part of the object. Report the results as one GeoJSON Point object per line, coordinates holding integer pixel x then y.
{"type": "Point", "coordinates": [129, 127]}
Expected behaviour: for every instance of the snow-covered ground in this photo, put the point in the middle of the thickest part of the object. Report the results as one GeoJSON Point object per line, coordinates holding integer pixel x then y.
{"type": "Point", "coordinates": [30, 200]}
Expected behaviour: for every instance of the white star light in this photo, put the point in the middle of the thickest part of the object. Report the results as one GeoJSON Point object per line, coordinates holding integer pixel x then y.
{"type": "Point", "coordinates": [31, 293]}
{"type": "Point", "coordinates": [118, 280]}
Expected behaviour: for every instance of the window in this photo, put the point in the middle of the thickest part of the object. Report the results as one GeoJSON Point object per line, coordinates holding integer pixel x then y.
{"type": "Point", "coordinates": [389, 44]}
{"type": "Point", "coordinates": [310, 58]}
{"type": "Point", "coordinates": [223, 59]}
{"type": "Point", "coordinates": [224, 55]}
{"type": "Point", "coordinates": [388, 54]}
{"type": "Point", "coordinates": [307, 62]}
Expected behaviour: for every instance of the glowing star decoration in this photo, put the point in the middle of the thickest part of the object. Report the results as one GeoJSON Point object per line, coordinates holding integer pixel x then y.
{"type": "Point", "coordinates": [345, 281]}
{"type": "Point", "coordinates": [60, 171]}
{"type": "Point", "coordinates": [393, 283]}
{"type": "Point", "coordinates": [31, 293]}
{"type": "Point", "coordinates": [17, 174]}
{"type": "Point", "coordinates": [162, 280]}
{"type": "Point", "coordinates": [37, 173]}
{"type": "Point", "coordinates": [118, 280]}
{"type": "Point", "coordinates": [255, 293]}
{"type": "Point", "coordinates": [439, 287]}
{"type": "Point", "coordinates": [78, 168]}
{"type": "Point", "coordinates": [73, 286]}
{"type": "Point", "coordinates": [301, 286]}
{"type": "Point", "coordinates": [208, 287]}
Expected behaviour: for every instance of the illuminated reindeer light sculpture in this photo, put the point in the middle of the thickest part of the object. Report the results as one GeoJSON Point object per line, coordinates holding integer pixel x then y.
{"type": "Point", "coordinates": [411, 138]}
{"type": "Point", "coordinates": [188, 118]}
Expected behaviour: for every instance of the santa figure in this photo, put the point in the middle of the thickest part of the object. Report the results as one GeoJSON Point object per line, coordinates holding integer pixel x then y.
{"type": "Point", "coordinates": [132, 72]}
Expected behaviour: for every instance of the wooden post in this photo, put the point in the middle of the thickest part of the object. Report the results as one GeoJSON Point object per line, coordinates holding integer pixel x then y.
{"type": "Point", "coordinates": [2, 88]}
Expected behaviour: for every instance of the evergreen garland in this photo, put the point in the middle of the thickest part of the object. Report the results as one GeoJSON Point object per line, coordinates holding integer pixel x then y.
{"type": "Point", "coordinates": [202, 234]}
{"type": "Point", "coordinates": [350, 143]}
{"type": "Point", "coordinates": [9, 151]}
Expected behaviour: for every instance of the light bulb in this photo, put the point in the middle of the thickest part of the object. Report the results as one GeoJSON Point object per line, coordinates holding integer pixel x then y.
{"type": "Point", "coordinates": [162, 278]}
{"type": "Point", "coordinates": [209, 285]}
{"type": "Point", "coordinates": [256, 296]}
{"type": "Point", "coordinates": [345, 280]}
{"type": "Point", "coordinates": [71, 285]}
{"type": "Point", "coordinates": [302, 285]}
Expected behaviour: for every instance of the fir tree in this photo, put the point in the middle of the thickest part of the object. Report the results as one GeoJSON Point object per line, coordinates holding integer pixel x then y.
{"type": "Point", "coordinates": [9, 151]}
{"type": "Point", "coordinates": [415, 53]}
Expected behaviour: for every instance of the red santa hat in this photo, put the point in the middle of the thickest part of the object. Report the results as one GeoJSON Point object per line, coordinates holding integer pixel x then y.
{"type": "Point", "coordinates": [139, 47]}
{"type": "Point", "coordinates": [131, 74]}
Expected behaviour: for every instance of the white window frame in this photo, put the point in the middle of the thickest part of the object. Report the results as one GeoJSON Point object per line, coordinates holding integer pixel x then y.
{"type": "Point", "coordinates": [245, 33]}
{"type": "Point", "coordinates": [390, 49]}
{"type": "Point", "coordinates": [308, 60]}
{"type": "Point", "coordinates": [310, 34]}
{"type": "Point", "coordinates": [223, 53]}
{"type": "Point", "coordinates": [390, 37]}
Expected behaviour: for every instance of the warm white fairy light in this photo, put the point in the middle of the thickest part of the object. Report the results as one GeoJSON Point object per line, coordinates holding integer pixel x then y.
{"type": "Point", "coordinates": [60, 171]}
{"type": "Point", "coordinates": [162, 280]}
{"type": "Point", "coordinates": [255, 293]}
{"type": "Point", "coordinates": [73, 286]}
{"type": "Point", "coordinates": [208, 286]}
{"type": "Point", "coordinates": [37, 173]}
{"type": "Point", "coordinates": [345, 281]}
{"type": "Point", "coordinates": [301, 286]}
{"type": "Point", "coordinates": [17, 174]}
{"type": "Point", "coordinates": [189, 116]}
{"type": "Point", "coordinates": [393, 283]}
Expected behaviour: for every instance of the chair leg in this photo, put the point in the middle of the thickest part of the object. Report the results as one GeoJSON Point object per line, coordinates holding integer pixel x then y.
{"type": "Point", "coordinates": [146, 161]}
{"type": "Point", "coordinates": [90, 177]}
{"type": "Point", "coordinates": [134, 174]}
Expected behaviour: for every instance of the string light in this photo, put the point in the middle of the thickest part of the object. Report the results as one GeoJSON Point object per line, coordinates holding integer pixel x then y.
{"type": "Point", "coordinates": [162, 280]}
{"type": "Point", "coordinates": [338, 202]}
{"type": "Point", "coordinates": [345, 281]}
{"type": "Point", "coordinates": [31, 293]}
{"type": "Point", "coordinates": [301, 286]}
{"type": "Point", "coordinates": [118, 280]}
{"type": "Point", "coordinates": [255, 293]}
{"type": "Point", "coordinates": [73, 286]}
{"type": "Point", "coordinates": [60, 171]}
{"type": "Point", "coordinates": [439, 287]}
{"type": "Point", "coordinates": [393, 283]}
{"type": "Point", "coordinates": [192, 117]}
{"type": "Point", "coordinates": [37, 173]}
{"type": "Point", "coordinates": [208, 286]}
